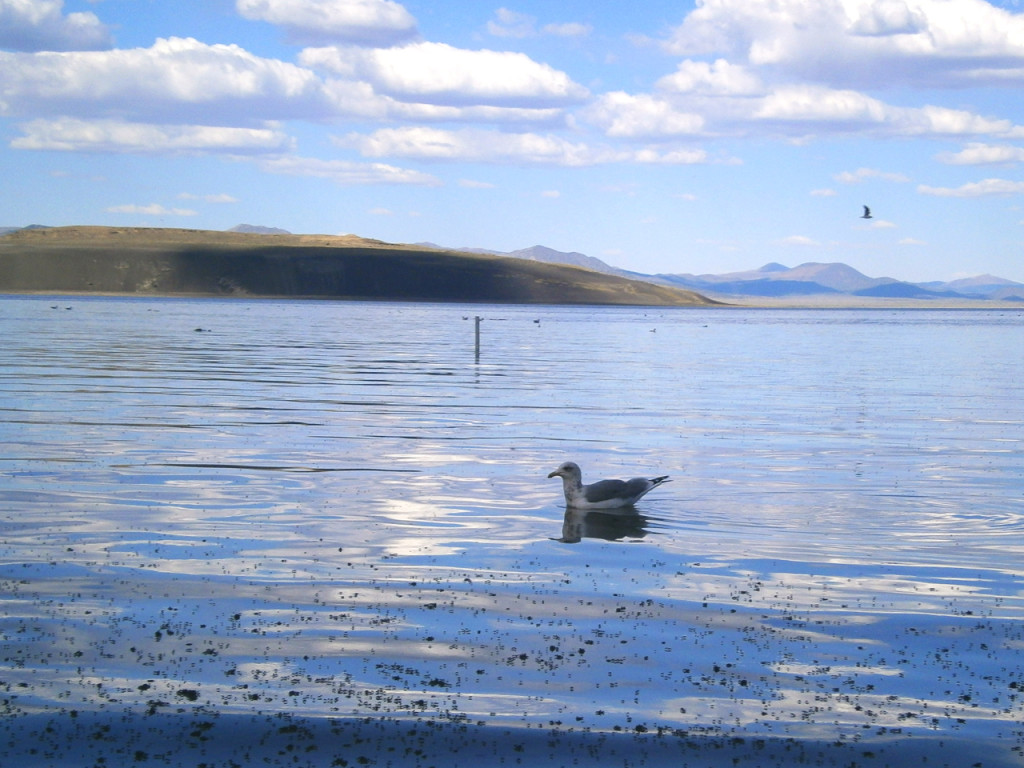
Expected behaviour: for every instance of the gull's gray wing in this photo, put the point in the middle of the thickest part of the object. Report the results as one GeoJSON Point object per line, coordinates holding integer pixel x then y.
{"type": "Point", "coordinates": [605, 490]}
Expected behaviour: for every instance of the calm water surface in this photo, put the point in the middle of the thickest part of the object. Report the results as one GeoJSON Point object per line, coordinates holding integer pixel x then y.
{"type": "Point", "coordinates": [328, 526]}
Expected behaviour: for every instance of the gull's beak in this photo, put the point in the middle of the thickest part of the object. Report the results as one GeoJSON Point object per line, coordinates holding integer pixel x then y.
{"type": "Point", "coordinates": [556, 473]}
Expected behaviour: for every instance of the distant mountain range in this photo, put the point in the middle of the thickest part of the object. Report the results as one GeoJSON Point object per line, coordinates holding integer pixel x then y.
{"type": "Point", "coordinates": [813, 278]}
{"type": "Point", "coordinates": [777, 280]}
{"type": "Point", "coordinates": [8, 230]}
{"type": "Point", "coordinates": [550, 256]}
{"type": "Point", "coordinates": [255, 229]}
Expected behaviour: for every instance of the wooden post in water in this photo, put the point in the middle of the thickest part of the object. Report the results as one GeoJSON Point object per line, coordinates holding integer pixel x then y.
{"type": "Point", "coordinates": [477, 320]}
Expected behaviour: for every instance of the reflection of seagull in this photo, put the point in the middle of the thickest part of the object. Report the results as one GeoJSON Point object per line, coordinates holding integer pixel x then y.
{"type": "Point", "coordinates": [611, 525]}
{"type": "Point", "coordinates": [604, 494]}
{"type": "Point", "coordinates": [867, 213]}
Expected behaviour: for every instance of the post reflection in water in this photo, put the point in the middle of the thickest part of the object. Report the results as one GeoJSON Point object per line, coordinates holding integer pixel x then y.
{"type": "Point", "coordinates": [610, 525]}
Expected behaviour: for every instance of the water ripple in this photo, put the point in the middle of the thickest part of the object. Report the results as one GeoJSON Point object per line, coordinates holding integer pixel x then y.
{"type": "Point", "coordinates": [337, 515]}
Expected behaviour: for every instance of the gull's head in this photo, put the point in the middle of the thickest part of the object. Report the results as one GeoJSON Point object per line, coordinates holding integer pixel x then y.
{"type": "Point", "coordinates": [568, 469]}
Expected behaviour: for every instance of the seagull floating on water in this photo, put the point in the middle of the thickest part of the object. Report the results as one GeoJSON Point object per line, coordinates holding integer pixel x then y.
{"type": "Point", "coordinates": [604, 494]}
{"type": "Point", "coordinates": [867, 213]}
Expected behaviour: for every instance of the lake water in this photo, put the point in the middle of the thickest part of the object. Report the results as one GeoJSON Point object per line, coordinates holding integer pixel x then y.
{"type": "Point", "coordinates": [314, 533]}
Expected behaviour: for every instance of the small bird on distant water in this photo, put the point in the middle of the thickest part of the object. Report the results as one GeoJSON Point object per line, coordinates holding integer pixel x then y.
{"type": "Point", "coordinates": [604, 494]}
{"type": "Point", "coordinates": [867, 213]}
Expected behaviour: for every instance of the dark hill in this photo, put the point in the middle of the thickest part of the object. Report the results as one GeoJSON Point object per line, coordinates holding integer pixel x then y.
{"type": "Point", "coordinates": [207, 263]}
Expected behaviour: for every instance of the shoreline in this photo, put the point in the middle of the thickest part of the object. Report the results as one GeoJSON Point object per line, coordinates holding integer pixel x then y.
{"type": "Point", "coordinates": [721, 302]}
{"type": "Point", "coordinates": [861, 302]}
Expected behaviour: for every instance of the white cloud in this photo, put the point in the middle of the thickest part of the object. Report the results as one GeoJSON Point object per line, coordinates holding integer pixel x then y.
{"type": "Point", "coordinates": [345, 172]}
{"type": "Point", "coordinates": [888, 17]}
{"type": "Point", "coordinates": [175, 80]}
{"type": "Point", "coordinates": [567, 29]}
{"type": "Point", "coordinates": [491, 146]}
{"type": "Point", "coordinates": [815, 103]}
{"type": "Point", "coordinates": [643, 116]}
{"type": "Point", "coordinates": [669, 157]}
{"type": "Point", "coordinates": [809, 110]}
{"type": "Point", "coordinates": [470, 144]}
{"type": "Point", "coordinates": [349, 98]}
{"type": "Point", "coordinates": [153, 209]}
{"type": "Point", "coordinates": [181, 80]}
{"type": "Point", "coordinates": [436, 73]}
{"type": "Point", "coordinates": [911, 241]}
{"type": "Point", "coordinates": [433, 113]}
{"type": "Point", "coordinates": [823, 193]}
{"type": "Point", "coordinates": [800, 240]}
{"type": "Point", "coordinates": [40, 25]}
{"type": "Point", "coordinates": [721, 99]}
{"type": "Point", "coordinates": [473, 184]}
{"type": "Point", "coordinates": [216, 199]}
{"type": "Point", "coordinates": [554, 194]}
{"type": "Point", "coordinates": [508, 23]}
{"type": "Point", "coordinates": [855, 177]}
{"type": "Point", "coordinates": [862, 43]}
{"type": "Point", "coordinates": [363, 22]}
{"type": "Point", "coordinates": [941, 121]}
{"type": "Point", "coordinates": [73, 135]}
{"type": "Point", "coordinates": [718, 78]}
{"type": "Point", "coordinates": [984, 154]}
{"type": "Point", "coordinates": [984, 188]}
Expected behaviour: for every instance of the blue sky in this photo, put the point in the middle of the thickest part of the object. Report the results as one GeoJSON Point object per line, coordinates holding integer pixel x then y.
{"type": "Point", "coordinates": [661, 136]}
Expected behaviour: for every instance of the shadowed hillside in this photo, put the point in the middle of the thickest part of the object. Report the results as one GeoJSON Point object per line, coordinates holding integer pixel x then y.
{"type": "Point", "coordinates": [197, 262]}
